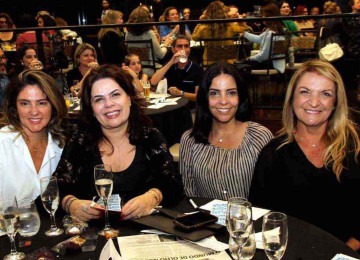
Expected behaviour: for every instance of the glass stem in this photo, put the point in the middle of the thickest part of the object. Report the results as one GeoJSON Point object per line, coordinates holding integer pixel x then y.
{"type": "Point", "coordinates": [107, 226]}
{"type": "Point", "coordinates": [53, 222]}
{"type": "Point", "coordinates": [13, 245]}
{"type": "Point", "coordinates": [239, 251]}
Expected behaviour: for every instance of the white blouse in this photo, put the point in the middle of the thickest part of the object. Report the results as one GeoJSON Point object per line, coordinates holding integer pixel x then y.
{"type": "Point", "coordinates": [17, 171]}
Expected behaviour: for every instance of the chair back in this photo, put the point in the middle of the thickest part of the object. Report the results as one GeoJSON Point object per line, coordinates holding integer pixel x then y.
{"type": "Point", "coordinates": [306, 45]}
{"type": "Point", "coordinates": [145, 50]}
{"type": "Point", "coordinates": [219, 49]}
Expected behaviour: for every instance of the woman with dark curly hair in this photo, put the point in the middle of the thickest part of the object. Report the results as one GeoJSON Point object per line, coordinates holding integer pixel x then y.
{"type": "Point", "coordinates": [31, 143]}
{"type": "Point", "coordinates": [145, 32]}
{"type": "Point", "coordinates": [7, 23]}
{"type": "Point", "coordinates": [116, 132]}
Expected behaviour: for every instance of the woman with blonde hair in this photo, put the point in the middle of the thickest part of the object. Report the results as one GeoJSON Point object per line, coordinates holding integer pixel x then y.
{"type": "Point", "coordinates": [85, 58]}
{"type": "Point", "coordinates": [311, 169]}
{"type": "Point", "coordinates": [111, 40]}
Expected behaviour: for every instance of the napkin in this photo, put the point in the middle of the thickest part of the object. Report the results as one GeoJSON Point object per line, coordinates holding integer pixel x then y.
{"type": "Point", "coordinates": [109, 252]}
{"type": "Point", "coordinates": [162, 86]}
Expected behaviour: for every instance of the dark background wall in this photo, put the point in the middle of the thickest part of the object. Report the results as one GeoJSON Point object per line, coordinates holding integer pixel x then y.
{"type": "Point", "coordinates": [73, 11]}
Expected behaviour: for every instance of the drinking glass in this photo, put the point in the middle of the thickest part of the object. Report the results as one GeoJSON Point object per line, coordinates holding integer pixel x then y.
{"type": "Point", "coordinates": [249, 248]}
{"type": "Point", "coordinates": [29, 221]}
{"type": "Point", "coordinates": [36, 65]}
{"type": "Point", "coordinates": [238, 221]}
{"type": "Point", "coordinates": [50, 201]}
{"type": "Point", "coordinates": [9, 220]}
{"type": "Point", "coordinates": [104, 185]}
{"type": "Point", "coordinates": [275, 234]}
{"type": "Point", "coordinates": [146, 87]}
{"type": "Point", "coordinates": [69, 101]}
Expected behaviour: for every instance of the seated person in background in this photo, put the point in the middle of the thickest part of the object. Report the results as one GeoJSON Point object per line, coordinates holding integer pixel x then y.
{"type": "Point", "coordinates": [145, 32]}
{"type": "Point", "coordinates": [261, 59]}
{"type": "Point", "coordinates": [218, 156]}
{"type": "Point", "coordinates": [7, 23]}
{"type": "Point", "coordinates": [31, 143]}
{"type": "Point", "coordinates": [305, 23]}
{"type": "Point", "coordinates": [311, 169]}
{"type": "Point", "coordinates": [28, 37]}
{"type": "Point", "coordinates": [26, 59]}
{"type": "Point", "coordinates": [217, 10]}
{"type": "Point", "coordinates": [116, 132]}
{"type": "Point", "coordinates": [183, 76]}
{"type": "Point", "coordinates": [111, 40]}
{"type": "Point", "coordinates": [171, 14]}
{"type": "Point", "coordinates": [4, 80]}
{"type": "Point", "coordinates": [285, 10]}
{"type": "Point", "coordinates": [187, 16]}
{"type": "Point", "coordinates": [85, 58]}
{"type": "Point", "coordinates": [132, 64]}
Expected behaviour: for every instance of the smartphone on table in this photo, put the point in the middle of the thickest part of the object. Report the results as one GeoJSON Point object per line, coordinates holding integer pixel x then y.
{"type": "Point", "coordinates": [195, 220]}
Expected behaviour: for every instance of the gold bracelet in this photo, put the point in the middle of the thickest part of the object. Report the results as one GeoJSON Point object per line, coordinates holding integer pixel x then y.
{"type": "Point", "coordinates": [156, 194]}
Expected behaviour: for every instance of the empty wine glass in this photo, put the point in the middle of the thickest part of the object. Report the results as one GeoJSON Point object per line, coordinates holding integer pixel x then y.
{"type": "Point", "coordinates": [29, 221]}
{"type": "Point", "coordinates": [50, 201]}
{"type": "Point", "coordinates": [104, 185]}
{"type": "Point", "coordinates": [275, 234]}
{"type": "Point", "coordinates": [238, 221]}
{"type": "Point", "coordinates": [9, 220]}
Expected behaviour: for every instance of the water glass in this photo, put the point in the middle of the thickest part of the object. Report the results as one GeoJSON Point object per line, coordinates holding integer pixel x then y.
{"type": "Point", "coordinates": [29, 221]}
{"type": "Point", "coordinates": [275, 234]}
{"type": "Point", "coordinates": [50, 200]}
{"type": "Point", "coordinates": [10, 222]}
{"type": "Point", "coordinates": [183, 58]}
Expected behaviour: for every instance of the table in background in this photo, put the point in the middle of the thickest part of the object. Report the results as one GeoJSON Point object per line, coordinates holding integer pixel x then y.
{"type": "Point", "coordinates": [305, 240]}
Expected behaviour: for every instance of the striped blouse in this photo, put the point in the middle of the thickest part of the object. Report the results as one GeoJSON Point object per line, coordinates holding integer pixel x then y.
{"type": "Point", "coordinates": [212, 172]}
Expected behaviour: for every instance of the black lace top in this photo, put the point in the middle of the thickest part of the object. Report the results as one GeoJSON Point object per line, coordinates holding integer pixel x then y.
{"type": "Point", "coordinates": [152, 167]}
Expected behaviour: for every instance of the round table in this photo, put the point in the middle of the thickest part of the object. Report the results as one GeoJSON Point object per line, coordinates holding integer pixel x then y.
{"type": "Point", "coordinates": [305, 240]}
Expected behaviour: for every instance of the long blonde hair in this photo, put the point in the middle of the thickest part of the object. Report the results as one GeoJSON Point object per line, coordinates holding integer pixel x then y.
{"type": "Point", "coordinates": [110, 18]}
{"type": "Point", "coordinates": [341, 135]}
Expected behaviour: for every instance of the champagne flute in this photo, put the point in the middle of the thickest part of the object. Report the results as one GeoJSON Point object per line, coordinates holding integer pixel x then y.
{"type": "Point", "coordinates": [50, 201]}
{"type": "Point", "coordinates": [9, 220]}
{"type": "Point", "coordinates": [103, 177]}
{"type": "Point", "coordinates": [275, 234]}
{"type": "Point", "coordinates": [29, 221]}
{"type": "Point", "coordinates": [249, 248]}
{"type": "Point", "coordinates": [238, 221]}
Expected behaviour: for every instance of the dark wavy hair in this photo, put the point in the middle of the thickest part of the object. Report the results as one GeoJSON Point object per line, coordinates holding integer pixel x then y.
{"type": "Point", "coordinates": [48, 20]}
{"type": "Point", "coordinates": [137, 118]}
{"type": "Point", "coordinates": [9, 21]}
{"type": "Point", "coordinates": [139, 15]}
{"type": "Point", "coordinates": [203, 118]}
{"type": "Point", "coordinates": [58, 122]}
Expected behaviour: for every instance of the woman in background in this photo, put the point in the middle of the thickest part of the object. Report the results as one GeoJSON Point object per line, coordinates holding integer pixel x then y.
{"type": "Point", "coordinates": [285, 10]}
{"type": "Point", "coordinates": [7, 23]}
{"type": "Point", "coordinates": [112, 39]}
{"type": "Point", "coordinates": [218, 156]}
{"type": "Point", "coordinates": [85, 58]}
{"type": "Point", "coordinates": [311, 169]}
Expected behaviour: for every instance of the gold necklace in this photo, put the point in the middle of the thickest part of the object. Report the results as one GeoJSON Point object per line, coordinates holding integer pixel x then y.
{"type": "Point", "coordinates": [37, 149]}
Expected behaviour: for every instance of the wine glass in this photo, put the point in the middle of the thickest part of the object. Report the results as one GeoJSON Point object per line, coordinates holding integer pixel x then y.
{"type": "Point", "coordinates": [249, 248]}
{"type": "Point", "coordinates": [9, 220]}
{"type": "Point", "coordinates": [50, 201]}
{"type": "Point", "coordinates": [275, 234]}
{"type": "Point", "coordinates": [36, 65]}
{"type": "Point", "coordinates": [29, 221]}
{"type": "Point", "coordinates": [238, 221]}
{"type": "Point", "coordinates": [104, 185]}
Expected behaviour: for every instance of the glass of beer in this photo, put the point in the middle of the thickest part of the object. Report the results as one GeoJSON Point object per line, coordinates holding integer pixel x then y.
{"type": "Point", "coordinates": [146, 87]}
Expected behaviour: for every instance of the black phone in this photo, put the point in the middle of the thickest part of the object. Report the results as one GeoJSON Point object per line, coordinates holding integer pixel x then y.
{"type": "Point", "coordinates": [196, 220]}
